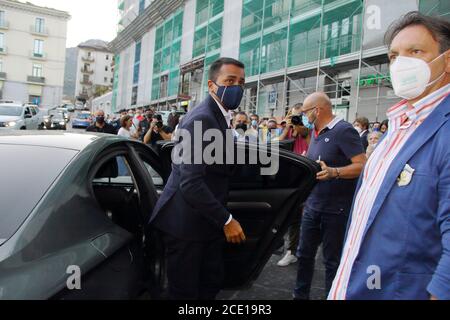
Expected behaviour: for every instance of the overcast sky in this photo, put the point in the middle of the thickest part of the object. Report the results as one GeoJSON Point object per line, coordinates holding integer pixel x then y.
{"type": "Point", "coordinates": [91, 19]}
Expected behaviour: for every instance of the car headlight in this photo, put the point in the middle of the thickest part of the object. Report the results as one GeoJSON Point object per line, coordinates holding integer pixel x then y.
{"type": "Point", "coordinates": [12, 124]}
{"type": "Point", "coordinates": [62, 123]}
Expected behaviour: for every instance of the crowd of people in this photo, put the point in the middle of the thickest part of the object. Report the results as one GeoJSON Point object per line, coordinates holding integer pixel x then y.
{"type": "Point", "coordinates": [140, 124]}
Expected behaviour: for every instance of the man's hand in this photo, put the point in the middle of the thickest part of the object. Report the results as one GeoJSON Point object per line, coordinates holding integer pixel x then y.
{"type": "Point", "coordinates": [327, 173]}
{"type": "Point", "coordinates": [234, 232]}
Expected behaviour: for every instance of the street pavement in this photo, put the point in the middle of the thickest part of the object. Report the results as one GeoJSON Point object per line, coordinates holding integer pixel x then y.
{"type": "Point", "coordinates": [277, 283]}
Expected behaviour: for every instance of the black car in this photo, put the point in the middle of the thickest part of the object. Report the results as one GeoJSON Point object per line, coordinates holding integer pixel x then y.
{"type": "Point", "coordinates": [54, 121]}
{"type": "Point", "coordinates": [80, 203]}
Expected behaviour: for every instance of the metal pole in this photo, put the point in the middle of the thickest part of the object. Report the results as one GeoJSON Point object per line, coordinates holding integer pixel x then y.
{"type": "Point", "coordinates": [378, 96]}
{"type": "Point", "coordinates": [361, 47]}
{"type": "Point", "coordinates": [320, 46]}
{"type": "Point", "coordinates": [287, 55]}
{"type": "Point", "coordinates": [260, 56]}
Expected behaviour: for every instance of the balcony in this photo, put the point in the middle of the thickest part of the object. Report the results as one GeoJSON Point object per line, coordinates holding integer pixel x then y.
{"type": "Point", "coordinates": [2, 75]}
{"type": "Point", "coordinates": [4, 51]}
{"type": "Point", "coordinates": [88, 59]}
{"type": "Point", "coordinates": [86, 82]}
{"type": "Point", "coordinates": [4, 25]}
{"type": "Point", "coordinates": [87, 71]}
{"type": "Point", "coordinates": [38, 56]}
{"type": "Point", "coordinates": [43, 32]}
{"type": "Point", "coordinates": [83, 96]}
{"type": "Point", "coordinates": [36, 80]}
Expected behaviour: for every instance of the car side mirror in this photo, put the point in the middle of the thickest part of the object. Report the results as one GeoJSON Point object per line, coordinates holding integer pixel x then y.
{"type": "Point", "coordinates": [28, 116]}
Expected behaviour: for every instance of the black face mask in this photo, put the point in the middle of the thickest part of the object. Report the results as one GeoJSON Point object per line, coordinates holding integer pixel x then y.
{"type": "Point", "coordinates": [242, 126]}
{"type": "Point", "coordinates": [100, 120]}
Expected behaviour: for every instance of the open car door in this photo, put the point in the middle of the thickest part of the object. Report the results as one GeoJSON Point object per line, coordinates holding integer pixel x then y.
{"type": "Point", "coordinates": [264, 205]}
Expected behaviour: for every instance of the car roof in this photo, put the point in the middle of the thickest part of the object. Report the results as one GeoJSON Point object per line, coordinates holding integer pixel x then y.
{"type": "Point", "coordinates": [11, 105]}
{"type": "Point", "coordinates": [59, 140]}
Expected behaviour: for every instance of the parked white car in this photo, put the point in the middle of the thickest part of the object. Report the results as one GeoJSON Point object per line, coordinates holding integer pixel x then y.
{"type": "Point", "coordinates": [19, 117]}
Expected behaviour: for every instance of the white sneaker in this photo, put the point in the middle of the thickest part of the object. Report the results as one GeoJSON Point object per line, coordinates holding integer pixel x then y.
{"type": "Point", "coordinates": [288, 259]}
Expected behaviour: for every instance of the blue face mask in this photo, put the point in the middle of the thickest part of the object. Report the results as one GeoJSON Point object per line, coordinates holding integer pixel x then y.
{"type": "Point", "coordinates": [231, 96]}
{"type": "Point", "coordinates": [307, 124]}
{"type": "Point", "coordinates": [254, 123]}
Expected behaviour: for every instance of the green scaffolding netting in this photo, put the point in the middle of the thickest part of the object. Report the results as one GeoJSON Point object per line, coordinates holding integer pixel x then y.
{"type": "Point", "coordinates": [266, 33]}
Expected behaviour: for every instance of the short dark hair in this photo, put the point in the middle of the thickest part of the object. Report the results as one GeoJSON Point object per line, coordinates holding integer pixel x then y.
{"type": "Point", "coordinates": [242, 113]}
{"type": "Point", "coordinates": [363, 121]}
{"type": "Point", "coordinates": [439, 28]}
{"type": "Point", "coordinates": [157, 117]}
{"type": "Point", "coordinates": [218, 64]}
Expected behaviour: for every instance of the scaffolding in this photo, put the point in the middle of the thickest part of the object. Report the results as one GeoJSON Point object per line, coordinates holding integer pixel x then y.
{"type": "Point", "coordinates": [291, 48]}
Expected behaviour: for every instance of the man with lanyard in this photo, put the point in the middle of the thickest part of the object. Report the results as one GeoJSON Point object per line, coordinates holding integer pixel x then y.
{"type": "Point", "coordinates": [337, 147]}
{"type": "Point", "coordinates": [398, 242]}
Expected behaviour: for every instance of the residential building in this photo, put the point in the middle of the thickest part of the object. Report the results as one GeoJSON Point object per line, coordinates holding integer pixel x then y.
{"type": "Point", "coordinates": [95, 69]}
{"type": "Point", "coordinates": [32, 53]}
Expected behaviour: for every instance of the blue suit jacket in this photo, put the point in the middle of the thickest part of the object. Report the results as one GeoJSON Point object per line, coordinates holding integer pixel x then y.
{"type": "Point", "coordinates": [192, 206]}
{"type": "Point", "coordinates": [408, 232]}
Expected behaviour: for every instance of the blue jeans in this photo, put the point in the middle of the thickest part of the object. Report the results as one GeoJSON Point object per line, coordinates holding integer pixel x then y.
{"type": "Point", "coordinates": [319, 227]}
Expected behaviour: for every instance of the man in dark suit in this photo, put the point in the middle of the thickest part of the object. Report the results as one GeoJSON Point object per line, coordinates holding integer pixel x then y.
{"type": "Point", "coordinates": [191, 213]}
{"type": "Point", "coordinates": [362, 126]}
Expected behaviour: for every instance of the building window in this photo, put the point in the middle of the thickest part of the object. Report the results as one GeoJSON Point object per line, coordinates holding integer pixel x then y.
{"type": "Point", "coordinates": [134, 95]}
{"type": "Point", "coordinates": [85, 78]}
{"type": "Point", "coordinates": [2, 19]}
{"type": "Point", "coordinates": [107, 57]}
{"type": "Point", "coordinates": [1, 65]}
{"type": "Point", "coordinates": [37, 70]}
{"type": "Point", "coordinates": [38, 48]}
{"type": "Point", "coordinates": [39, 25]}
{"type": "Point", "coordinates": [106, 68]}
{"type": "Point", "coordinates": [105, 79]}
{"type": "Point", "coordinates": [137, 63]}
{"type": "Point", "coordinates": [141, 6]}
{"type": "Point", "coordinates": [2, 42]}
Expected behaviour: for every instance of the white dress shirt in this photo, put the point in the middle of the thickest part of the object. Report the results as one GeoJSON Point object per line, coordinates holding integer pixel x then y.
{"type": "Point", "coordinates": [227, 115]}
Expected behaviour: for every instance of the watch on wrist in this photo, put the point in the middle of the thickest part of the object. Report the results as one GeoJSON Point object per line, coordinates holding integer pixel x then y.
{"type": "Point", "coordinates": [338, 173]}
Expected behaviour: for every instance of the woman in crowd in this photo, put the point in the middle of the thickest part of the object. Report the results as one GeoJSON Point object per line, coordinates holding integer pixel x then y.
{"type": "Point", "coordinates": [373, 138]}
{"type": "Point", "coordinates": [126, 123]}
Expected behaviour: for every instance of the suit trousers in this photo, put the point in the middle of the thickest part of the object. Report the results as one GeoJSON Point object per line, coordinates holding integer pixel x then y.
{"type": "Point", "coordinates": [195, 269]}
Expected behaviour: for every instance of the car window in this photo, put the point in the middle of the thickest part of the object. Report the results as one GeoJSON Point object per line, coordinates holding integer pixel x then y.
{"type": "Point", "coordinates": [33, 111]}
{"type": "Point", "coordinates": [27, 111]}
{"type": "Point", "coordinates": [287, 174]}
{"type": "Point", "coordinates": [28, 172]}
{"type": "Point", "coordinates": [157, 180]}
{"type": "Point", "coordinates": [84, 116]}
{"type": "Point", "coordinates": [116, 171]}
{"type": "Point", "coordinates": [10, 111]}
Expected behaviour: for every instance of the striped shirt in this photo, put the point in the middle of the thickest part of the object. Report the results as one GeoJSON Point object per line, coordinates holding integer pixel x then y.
{"type": "Point", "coordinates": [403, 121]}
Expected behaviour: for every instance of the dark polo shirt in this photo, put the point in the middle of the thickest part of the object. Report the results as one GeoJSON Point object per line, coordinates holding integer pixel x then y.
{"type": "Point", "coordinates": [336, 145]}
{"type": "Point", "coordinates": [107, 128]}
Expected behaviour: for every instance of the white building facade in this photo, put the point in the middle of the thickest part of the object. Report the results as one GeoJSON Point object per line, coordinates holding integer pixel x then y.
{"type": "Point", "coordinates": [103, 103]}
{"type": "Point", "coordinates": [32, 53]}
{"type": "Point", "coordinates": [95, 69]}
